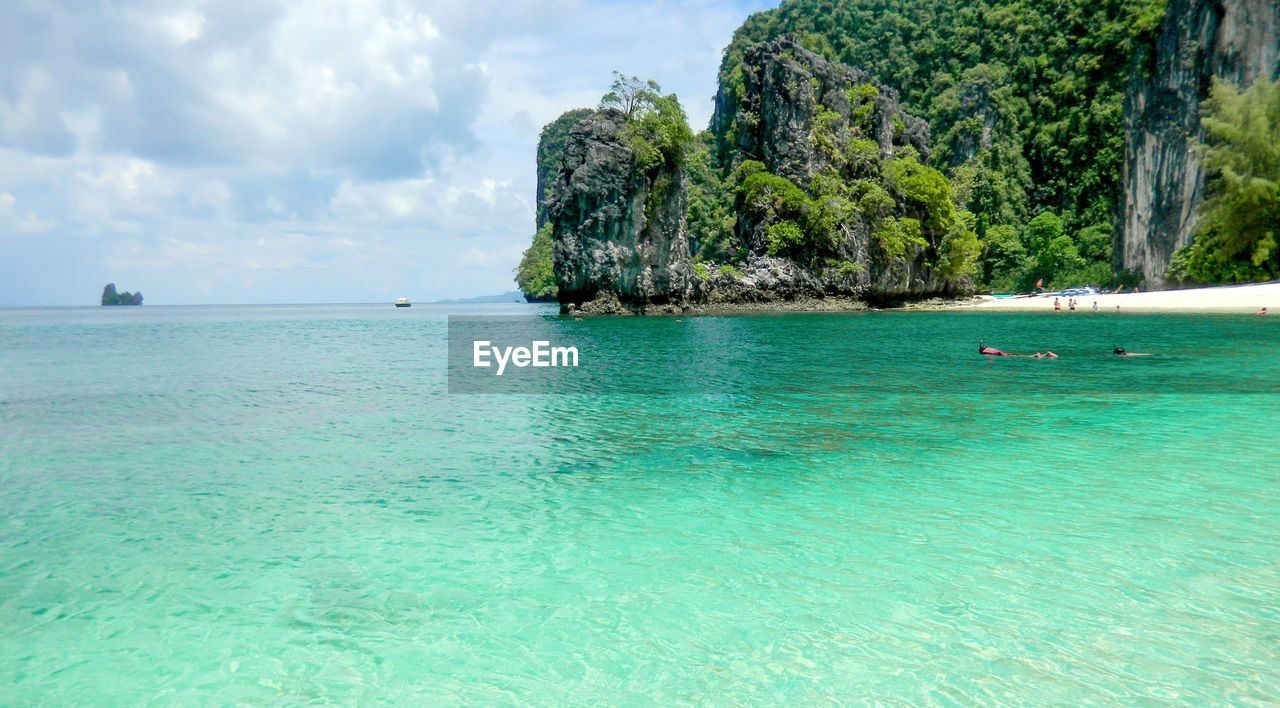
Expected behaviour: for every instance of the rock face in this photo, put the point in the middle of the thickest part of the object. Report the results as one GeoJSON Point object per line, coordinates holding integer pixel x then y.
{"type": "Point", "coordinates": [550, 156]}
{"type": "Point", "coordinates": [785, 87]}
{"type": "Point", "coordinates": [804, 117]}
{"type": "Point", "coordinates": [619, 234]}
{"type": "Point", "coordinates": [1236, 40]}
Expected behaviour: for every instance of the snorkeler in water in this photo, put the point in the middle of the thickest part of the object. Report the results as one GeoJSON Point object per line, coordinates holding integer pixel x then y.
{"type": "Point", "coordinates": [992, 351]}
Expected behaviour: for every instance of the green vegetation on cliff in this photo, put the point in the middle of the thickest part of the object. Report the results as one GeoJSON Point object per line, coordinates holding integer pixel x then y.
{"type": "Point", "coordinates": [711, 215]}
{"type": "Point", "coordinates": [656, 124]}
{"type": "Point", "coordinates": [1024, 100]}
{"type": "Point", "coordinates": [535, 275]}
{"type": "Point", "coordinates": [1236, 237]}
{"type": "Point", "coordinates": [819, 165]}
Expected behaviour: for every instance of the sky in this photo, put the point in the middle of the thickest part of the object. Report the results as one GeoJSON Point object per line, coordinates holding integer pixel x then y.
{"type": "Point", "coordinates": [257, 151]}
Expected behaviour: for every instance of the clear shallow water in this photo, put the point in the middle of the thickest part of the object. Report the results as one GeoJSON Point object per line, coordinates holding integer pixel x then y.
{"type": "Point", "coordinates": [282, 505]}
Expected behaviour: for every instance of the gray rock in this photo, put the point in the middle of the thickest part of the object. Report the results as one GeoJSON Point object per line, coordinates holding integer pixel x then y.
{"type": "Point", "coordinates": [620, 238]}
{"type": "Point", "coordinates": [551, 156]}
{"type": "Point", "coordinates": [773, 119]}
{"type": "Point", "coordinates": [619, 234]}
{"type": "Point", "coordinates": [1164, 181]}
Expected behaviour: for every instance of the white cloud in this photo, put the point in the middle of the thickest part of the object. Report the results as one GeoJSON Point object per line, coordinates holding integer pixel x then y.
{"type": "Point", "coordinates": [32, 224]}
{"type": "Point", "coordinates": [384, 143]}
{"type": "Point", "coordinates": [183, 27]}
{"type": "Point", "coordinates": [215, 195]}
{"type": "Point", "coordinates": [118, 192]}
{"type": "Point", "coordinates": [434, 205]}
{"type": "Point", "coordinates": [476, 257]}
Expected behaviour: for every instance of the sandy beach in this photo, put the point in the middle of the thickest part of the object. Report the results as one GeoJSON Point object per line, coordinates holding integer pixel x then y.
{"type": "Point", "coordinates": [1230, 298]}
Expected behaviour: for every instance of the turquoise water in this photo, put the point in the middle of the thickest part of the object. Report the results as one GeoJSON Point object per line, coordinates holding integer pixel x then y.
{"type": "Point", "coordinates": [282, 505]}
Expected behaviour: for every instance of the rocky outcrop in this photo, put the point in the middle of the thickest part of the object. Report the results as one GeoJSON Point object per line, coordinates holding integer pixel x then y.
{"type": "Point", "coordinates": [804, 117]}
{"type": "Point", "coordinates": [1236, 40]}
{"type": "Point", "coordinates": [619, 232]}
{"type": "Point", "coordinates": [112, 298]}
{"type": "Point", "coordinates": [785, 88]}
{"type": "Point", "coordinates": [551, 143]}
{"type": "Point", "coordinates": [821, 138]}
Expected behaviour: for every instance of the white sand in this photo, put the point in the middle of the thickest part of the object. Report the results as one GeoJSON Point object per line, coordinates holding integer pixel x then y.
{"type": "Point", "coordinates": [1230, 298]}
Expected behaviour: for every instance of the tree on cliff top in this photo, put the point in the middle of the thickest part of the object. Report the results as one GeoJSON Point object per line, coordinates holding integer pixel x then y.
{"type": "Point", "coordinates": [1236, 237]}
{"type": "Point", "coordinates": [657, 126]}
{"type": "Point", "coordinates": [631, 95]}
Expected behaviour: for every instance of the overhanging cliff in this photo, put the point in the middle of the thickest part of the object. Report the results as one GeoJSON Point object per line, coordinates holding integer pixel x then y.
{"type": "Point", "coordinates": [1164, 183]}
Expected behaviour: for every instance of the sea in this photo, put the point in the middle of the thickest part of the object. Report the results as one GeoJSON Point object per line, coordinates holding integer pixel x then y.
{"type": "Point", "coordinates": [286, 505]}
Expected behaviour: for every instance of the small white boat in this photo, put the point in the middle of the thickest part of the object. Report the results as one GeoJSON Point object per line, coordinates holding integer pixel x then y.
{"type": "Point", "coordinates": [402, 302]}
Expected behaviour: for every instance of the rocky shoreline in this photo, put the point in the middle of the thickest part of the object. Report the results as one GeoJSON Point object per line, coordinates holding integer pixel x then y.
{"type": "Point", "coordinates": [604, 306]}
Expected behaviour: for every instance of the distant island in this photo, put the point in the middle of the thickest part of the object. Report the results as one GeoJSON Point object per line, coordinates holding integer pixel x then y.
{"type": "Point", "coordinates": [111, 297]}
{"type": "Point", "coordinates": [510, 296]}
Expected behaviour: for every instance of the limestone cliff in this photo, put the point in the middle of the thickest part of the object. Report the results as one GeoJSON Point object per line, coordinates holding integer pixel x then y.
{"type": "Point", "coordinates": [619, 231]}
{"type": "Point", "coordinates": [785, 88]}
{"type": "Point", "coordinates": [825, 179]}
{"type": "Point", "coordinates": [551, 144]}
{"type": "Point", "coordinates": [1237, 40]}
{"type": "Point", "coordinates": [808, 119]}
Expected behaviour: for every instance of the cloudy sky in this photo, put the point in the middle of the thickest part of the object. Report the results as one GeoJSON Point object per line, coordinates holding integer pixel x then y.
{"type": "Point", "coordinates": [258, 151]}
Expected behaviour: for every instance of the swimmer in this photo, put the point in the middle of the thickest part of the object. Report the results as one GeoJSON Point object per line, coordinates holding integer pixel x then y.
{"type": "Point", "coordinates": [1119, 351]}
{"type": "Point", "coordinates": [992, 351]}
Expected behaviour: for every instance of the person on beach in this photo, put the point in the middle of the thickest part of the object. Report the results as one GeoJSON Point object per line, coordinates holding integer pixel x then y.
{"type": "Point", "coordinates": [1057, 305]}
{"type": "Point", "coordinates": [1071, 304]}
{"type": "Point", "coordinates": [1095, 305]}
{"type": "Point", "coordinates": [1263, 311]}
